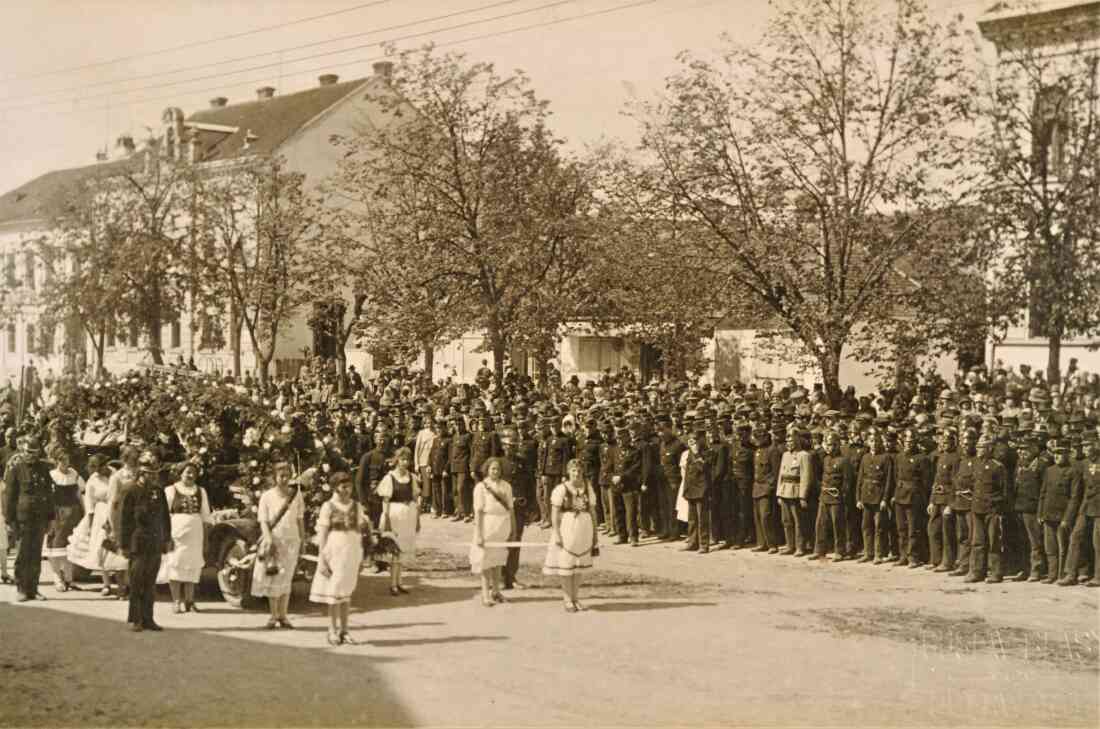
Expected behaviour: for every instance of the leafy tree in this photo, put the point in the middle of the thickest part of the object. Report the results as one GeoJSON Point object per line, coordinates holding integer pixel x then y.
{"type": "Point", "coordinates": [253, 233]}
{"type": "Point", "coordinates": [1038, 149]}
{"type": "Point", "coordinates": [464, 154]}
{"type": "Point", "coordinates": [817, 161]}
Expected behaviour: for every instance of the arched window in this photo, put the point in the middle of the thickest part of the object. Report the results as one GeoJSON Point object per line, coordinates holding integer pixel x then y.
{"type": "Point", "coordinates": [1050, 131]}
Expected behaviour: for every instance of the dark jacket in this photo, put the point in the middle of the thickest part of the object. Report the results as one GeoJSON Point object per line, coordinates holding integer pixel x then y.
{"type": "Point", "coordinates": [629, 468]}
{"type": "Point", "coordinates": [698, 478]}
{"type": "Point", "coordinates": [1055, 493]}
{"type": "Point", "coordinates": [912, 479]}
{"type": "Point", "coordinates": [372, 467]}
{"type": "Point", "coordinates": [990, 487]}
{"type": "Point", "coordinates": [838, 479]}
{"type": "Point", "coordinates": [765, 470]}
{"type": "Point", "coordinates": [29, 493]}
{"type": "Point", "coordinates": [1029, 481]}
{"type": "Point", "coordinates": [460, 453]}
{"type": "Point", "coordinates": [146, 526]}
{"type": "Point", "coordinates": [876, 478]}
{"type": "Point", "coordinates": [944, 466]}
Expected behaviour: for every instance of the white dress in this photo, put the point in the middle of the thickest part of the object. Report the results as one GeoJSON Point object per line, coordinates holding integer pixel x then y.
{"type": "Point", "coordinates": [343, 551]}
{"type": "Point", "coordinates": [288, 542]}
{"type": "Point", "coordinates": [496, 525]}
{"type": "Point", "coordinates": [403, 514]}
{"type": "Point", "coordinates": [86, 544]}
{"type": "Point", "coordinates": [189, 510]}
{"type": "Point", "coordinates": [577, 531]}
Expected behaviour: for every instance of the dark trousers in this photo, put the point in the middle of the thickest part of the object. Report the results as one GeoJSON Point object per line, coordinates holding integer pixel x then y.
{"type": "Point", "coordinates": [1056, 543]}
{"type": "Point", "coordinates": [723, 524]}
{"type": "Point", "coordinates": [1034, 531]}
{"type": "Point", "coordinates": [610, 510]}
{"type": "Point", "coordinates": [669, 492]}
{"type": "Point", "coordinates": [630, 502]}
{"type": "Point", "coordinates": [442, 496]}
{"type": "Point", "coordinates": [962, 538]}
{"type": "Point", "coordinates": [545, 488]}
{"type": "Point", "coordinates": [830, 522]}
{"type": "Point", "coordinates": [649, 507]}
{"type": "Point", "coordinates": [511, 567]}
{"type": "Point", "coordinates": [594, 482]}
{"type": "Point", "coordinates": [762, 513]}
{"type": "Point", "coordinates": [699, 514]}
{"type": "Point", "coordinates": [790, 511]}
{"type": "Point", "coordinates": [905, 518]}
{"type": "Point", "coordinates": [143, 586]}
{"type": "Point", "coordinates": [743, 531]}
{"type": "Point", "coordinates": [428, 493]}
{"type": "Point", "coordinates": [985, 544]}
{"type": "Point", "coordinates": [458, 485]}
{"type": "Point", "coordinates": [28, 560]}
{"type": "Point", "coordinates": [941, 537]}
{"type": "Point", "coordinates": [854, 523]}
{"type": "Point", "coordinates": [1078, 541]}
{"type": "Point", "coordinates": [874, 532]}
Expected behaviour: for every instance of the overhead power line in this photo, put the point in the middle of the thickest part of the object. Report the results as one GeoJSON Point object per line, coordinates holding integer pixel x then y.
{"type": "Point", "coordinates": [283, 62]}
{"type": "Point", "coordinates": [193, 44]}
{"type": "Point", "coordinates": [483, 36]}
{"type": "Point", "coordinates": [238, 59]}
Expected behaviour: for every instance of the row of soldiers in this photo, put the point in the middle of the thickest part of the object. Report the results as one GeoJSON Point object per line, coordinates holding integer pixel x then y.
{"type": "Point", "coordinates": [990, 502]}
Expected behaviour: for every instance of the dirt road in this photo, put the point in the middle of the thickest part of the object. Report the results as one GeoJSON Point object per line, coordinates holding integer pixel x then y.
{"type": "Point", "coordinates": [670, 637]}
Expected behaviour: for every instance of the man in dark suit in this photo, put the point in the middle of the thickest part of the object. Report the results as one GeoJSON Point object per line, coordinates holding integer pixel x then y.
{"type": "Point", "coordinates": [28, 509]}
{"type": "Point", "coordinates": [627, 482]}
{"type": "Point", "coordinates": [460, 471]}
{"type": "Point", "coordinates": [146, 534]}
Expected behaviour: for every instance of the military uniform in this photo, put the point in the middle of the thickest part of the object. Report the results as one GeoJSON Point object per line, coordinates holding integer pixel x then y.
{"type": "Point", "coordinates": [990, 498]}
{"type": "Point", "coordinates": [146, 534]}
{"type": "Point", "coordinates": [941, 526]}
{"type": "Point", "coordinates": [609, 464]}
{"type": "Point", "coordinates": [627, 490]}
{"type": "Point", "coordinates": [741, 461]}
{"type": "Point", "coordinates": [28, 508]}
{"type": "Point", "coordinates": [698, 486]}
{"type": "Point", "coordinates": [721, 495]}
{"type": "Point", "coordinates": [913, 479]}
{"type": "Point", "coordinates": [1086, 503]}
{"type": "Point", "coordinates": [838, 478]}
{"type": "Point", "coordinates": [875, 481]}
{"type": "Point", "coordinates": [1055, 496]}
{"type": "Point", "coordinates": [438, 461]}
{"type": "Point", "coordinates": [1025, 503]}
{"type": "Point", "coordinates": [672, 448]}
{"type": "Point", "coordinates": [795, 481]}
{"type": "Point", "coordinates": [960, 510]}
{"type": "Point", "coordinates": [459, 464]}
{"type": "Point", "coordinates": [765, 480]}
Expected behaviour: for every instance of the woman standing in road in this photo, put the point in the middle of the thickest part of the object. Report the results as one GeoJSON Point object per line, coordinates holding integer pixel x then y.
{"type": "Point", "coordinates": [573, 540]}
{"type": "Point", "coordinates": [494, 521]}
{"type": "Point", "coordinates": [282, 520]}
{"type": "Point", "coordinates": [400, 493]}
{"type": "Point", "coordinates": [68, 487]}
{"type": "Point", "coordinates": [341, 524]}
{"type": "Point", "coordinates": [190, 511]}
{"type": "Point", "coordinates": [86, 548]}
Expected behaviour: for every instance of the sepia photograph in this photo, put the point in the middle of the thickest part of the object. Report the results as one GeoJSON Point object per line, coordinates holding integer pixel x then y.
{"type": "Point", "coordinates": [550, 363]}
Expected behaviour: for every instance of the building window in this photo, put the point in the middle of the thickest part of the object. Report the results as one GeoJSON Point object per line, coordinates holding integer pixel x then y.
{"type": "Point", "coordinates": [133, 334]}
{"type": "Point", "coordinates": [11, 339]}
{"type": "Point", "coordinates": [30, 339]}
{"type": "Point", "coordinates": [596, 354]}
{"type": "Point", "coordinates": [110, 334]}
{"type": "Point", "coordinates": [46, 341]}
{"type": "Point", "coordinates": [28, 262]}
{"type": "Point", "coordinates": [9, 271]}
{"type": "Point", "coordinates": [1051, 126]}
{"type": "Point", "coordinates": [177, 334]}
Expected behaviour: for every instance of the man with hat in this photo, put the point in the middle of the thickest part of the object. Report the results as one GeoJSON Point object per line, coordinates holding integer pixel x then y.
{"type": "Point", "coordinates": [1085, 503]}
{"type": "Point", "coordinates": [837, 478]}
{"type": "Point", "coordinates": [609, 464]}
{"type": "Point", "coordinates": [795, 481]}
{"type": "Point", "coordinates": [765, 474]}
{"type": "Point", "coordinates": [1055, 503]}
{"type": "Point", "coordinates": [626, 484]}
{"type": "Point", "coordinates": [28, 509]}
{"type": "Point", "coordinates": [145, 535]}
{"type": "Point", "coordinates": [1029, 480]}
{"type": "Point", "coordinates": [875, 482]}
{"type": "Point", "coordinates": [913, 485]}
{"type": "Point", "coordinates": [697, 492]}
{"type": "Point", "coordinates": [987, 508]}
{"type": "Point", "coordinates": [741, 464]}
{"type": "Point", "coordinates": [671, 451]}
{"type": "Point", "coordinates": [941, 526]}
{"type": "Point", "coordinates": [962, 500]}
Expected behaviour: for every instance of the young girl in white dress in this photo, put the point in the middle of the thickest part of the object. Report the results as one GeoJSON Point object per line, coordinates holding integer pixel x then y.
{"type": "Point", "coordinates": [494, 521]}
{"type": "Point", "coordinates": [341, 524]}
{"type": "Point", "coordinates": [86, 545]}
{"type": "Point", "coordinates": [572, 533]}
{"type": "Point", "coordinates": [400, 493]}
{"type": "Point", "coordinates": [272, 578]}
{"type": "Point", "coordinates": [182, 567]}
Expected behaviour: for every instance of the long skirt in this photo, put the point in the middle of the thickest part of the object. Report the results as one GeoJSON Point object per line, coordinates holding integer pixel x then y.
{"type": "Point", "coordinates": [57, 541]}
{"type": "Point", "coordinates": [403, 523]}
{"type": "Point", "coordinates": [184, 563]}
{"type": "Point", "coordinates": [497, 528]}
{"type": "Point", "coordinates": [285, 564]}
{"type": "Point", "coordinates": [96, 557]}
{"type": "Point", "coordinates": [343, 552]}
{"type": "Point", "coordinates": [575, 552]}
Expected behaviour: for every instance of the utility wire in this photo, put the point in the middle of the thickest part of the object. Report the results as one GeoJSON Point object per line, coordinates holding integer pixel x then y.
{"type": "Point", "coordinates": [193, 44]}
{"type": "Point", "coordinates": [238, 59]}
{"type": "Point", "coordinates": [275, 64]}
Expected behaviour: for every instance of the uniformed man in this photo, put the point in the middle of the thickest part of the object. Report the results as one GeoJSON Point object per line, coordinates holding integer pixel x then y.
{"type": "Point", "coordinates": [557, 452]}
{"type": "Point", "coordinates": [795, 481]}
{"type": "Point", "coordinates": [721, 494]}
{"type": "Point", "coordinates": [961, 500]}
{"type": "Point", "coordinates": [609, 462]}
{"type": "Point", "coordinates": [697, 491]}
{"type": "Point", "coordinates": [459, 463]}
{"type": "Point", "coordinates": [855, 450]}
{"type": "Point", "coordinates": [941, 525]}
{"type": "Point", "coordinates": [741, 462]}
{"type": "Point", "coordinates": [1086, 505]}
{"type": "Point", "coordinates": [522, 478]}
{"type": "Point", "coordinates": [1025, 503]}
{"type": "Point", "coordinates": [1055, 496]}
{"type": "Point", "coordinates": [626, 483]}
{"type": "Point", "coordinates": [28, 509]}
{"type": "Point", "coordinates": [913, 479]}
{"type": "Point", "coordinates": [987, 509]}
{"type": "Point", "coordinates": [875, 482]}
{"type": "Point", "coordinates": [765, 482]}
{"type": "Point", "coordinates": [145, 535]}
{"type": "Point", "coordinates": [837, 478]}
{"type": "Point", "coordinates": [671, 450]}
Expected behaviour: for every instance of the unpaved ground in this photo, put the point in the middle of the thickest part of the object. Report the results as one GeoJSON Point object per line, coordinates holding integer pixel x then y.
{"type": "Point", "coordinates": [670, 638]}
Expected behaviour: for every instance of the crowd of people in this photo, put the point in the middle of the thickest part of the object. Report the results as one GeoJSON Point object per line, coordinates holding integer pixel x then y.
{"type": "Point", "coordinates": [995, 477]}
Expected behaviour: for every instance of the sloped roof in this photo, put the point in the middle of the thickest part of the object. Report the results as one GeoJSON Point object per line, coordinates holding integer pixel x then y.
{"type": "Point", "coordinates": [270, 121]}
{"type": "Point", "coordinates": [45, 196]}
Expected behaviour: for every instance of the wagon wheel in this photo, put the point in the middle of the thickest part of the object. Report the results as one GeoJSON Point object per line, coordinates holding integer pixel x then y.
{"type": "Point", "coordinates": [235, 583]}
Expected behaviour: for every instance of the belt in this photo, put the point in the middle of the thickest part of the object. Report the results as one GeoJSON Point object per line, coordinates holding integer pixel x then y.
{"type": "Point", "coordinates": [963, 493]}
{"type": "Point", "coordinates": [790, 479]}
{"type": "Point", "coordinates": [939, 489]}
{"type": "Point", "coordinates": [831, 491]}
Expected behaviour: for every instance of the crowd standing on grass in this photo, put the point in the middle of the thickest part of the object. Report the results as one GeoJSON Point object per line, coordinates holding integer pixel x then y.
{"type": "Point", "coordinates": [995, 477]}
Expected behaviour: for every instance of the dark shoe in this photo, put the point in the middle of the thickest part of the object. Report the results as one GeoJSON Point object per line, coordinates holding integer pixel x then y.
{"type": "Point", "coordinates": [915, 565]}
{"type": "Point", "coordinates": [497, 597]}
{"type": "Point", "coordinates": [23, 597]}
{"type": "Point", "coordinates": [285, 624]}
{"type": "Point", "coordinates": [136, 627]}
{"type": "Point", "coordinates": [960, 572]}
{"type": "Point", "coordinates": [1067, 581]}
{"type": "Point", "coordinates": [6, 579]}
{"type": "Point", "coordinates": [902, 562]}
{"type": "Point", "coordinates": [1050, 580]}
{"type": "Point", "coordinates": [402, 590]}
{"type": "Point", "coordinates": [799, 553]}
{"type": "Point", "coordinates": [759, 549]}
{"type": "Point", "coordinates": [689, 548]}
{"type": "Point", "coordinates": [994, 579]}
{"type": "Point", "coordinates": [974, 578]}
{"type": "Point", "coordinates": [272, 624]}
{"type": "Point", "coordinates": [192, 607]}
{"type": "Point", "coordinates": [838, 558]}
{"type": "Point", "coordinates": [880, 560]}
{"type": "Point", "coordinates": [153, 627]}
{"type": "Point", "coordinates": [787, 553]}
{"type": "Point", "coordinates": [394, 591]}
{"type": "Point", "coordinates": [1036, 577]}
{"type": "Point", "coordinates": [620, 540]}
{"type": "Point", "coordinates": [346, 639]}
{"type": "Point", "coordinates": [815, 557]}
{"type": "Point", "coordinates": [1094, 582]}
{"type": "Point", "coordinates": [570, 607]}
{"type": "Point", "coordinates": [704, 550]}
{"type": "Point", "coordinates": [773, 550]}
{"type": "Point", "coordinates": [633, 542]}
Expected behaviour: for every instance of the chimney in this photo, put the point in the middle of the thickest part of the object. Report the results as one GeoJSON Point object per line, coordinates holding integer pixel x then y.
{"type": "Point", "coordinates": [218, 102]}
{"type": "Point", "coordinates": [328, 79]}
{"type": "Point", "coordinates": [265, 92]}
{"type": "Point", "coordinates": [384, 69]}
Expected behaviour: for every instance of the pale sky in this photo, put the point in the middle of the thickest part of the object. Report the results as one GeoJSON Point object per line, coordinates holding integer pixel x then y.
{"type": "Point", "coordinates": [56, 114]}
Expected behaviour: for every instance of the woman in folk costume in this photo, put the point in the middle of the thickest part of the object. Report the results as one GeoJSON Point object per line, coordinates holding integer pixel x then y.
{"type": "Point", "coordinates": [573, 540]}
{"type": "Point", "coordinates": [400, 493]}
{"type": "Point", "coordinates": [494, 521]}
{"type": "Point", "coordinates": [189, 509]}
{"type": "Point", "coordinates": [281, 514]}
{"type": "Point", "coordinates": [89, 542]}
{"type": "Point", "coordinates": [68, 487]}
{"type": "Point", "coordinates": [341, 525]}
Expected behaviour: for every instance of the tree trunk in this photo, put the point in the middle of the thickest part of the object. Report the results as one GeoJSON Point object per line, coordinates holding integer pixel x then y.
{"type": "Point", "coordinates": [830, 374]}
{"type": "Point", "coordinates": [429, 360]}
{"type": "Point", "coordinates": [263, 364]}
{"type": "Point", "coordinates": [1054, 357]}
{"type": "Point", "coordinates": [153, 326]}
{"type": "Point", "coordinates": [235, 325]}
{"type": "Point", "coordinates": [541, 370]}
